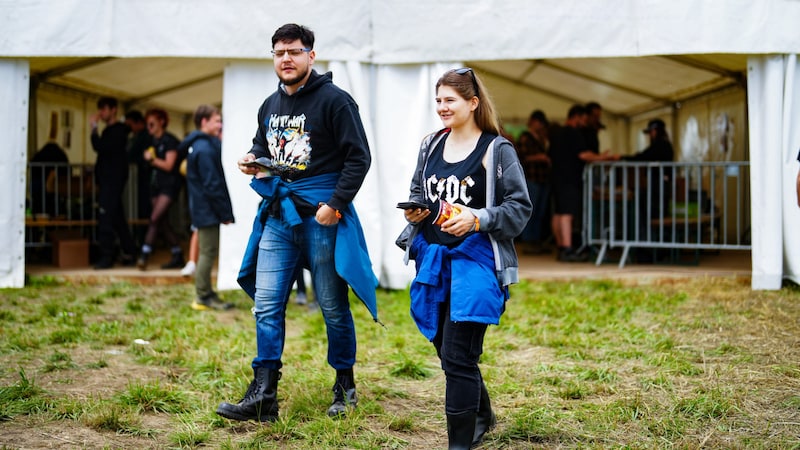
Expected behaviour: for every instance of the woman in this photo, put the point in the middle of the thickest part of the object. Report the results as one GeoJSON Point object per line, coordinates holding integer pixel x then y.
{"type": "Point", "coordinates": [165, 161]}
{"type": "Point", "coordinates": [465, 264]}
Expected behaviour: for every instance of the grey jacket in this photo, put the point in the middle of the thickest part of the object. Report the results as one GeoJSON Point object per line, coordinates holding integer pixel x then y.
{"type": "Point", "coordinates": [508, 206]}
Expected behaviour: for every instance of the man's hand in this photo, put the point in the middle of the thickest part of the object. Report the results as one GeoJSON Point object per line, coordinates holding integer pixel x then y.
{"type": "Point", "coordinates": [326, 215]}
{"type": "Point", "coordinates": [247, 170]}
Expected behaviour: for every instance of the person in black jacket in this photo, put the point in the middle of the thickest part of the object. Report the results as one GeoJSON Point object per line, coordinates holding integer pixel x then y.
{"type": "Point", "coordinates": [315, 156]}
{"type": "Point", "coordinates": [111, 175]}
{"type": "Point", "coordinates": [209, 200]}
{"type": "Point", "coordinates": [660, 149]}
{"type": "Point", "coordinates": [654, 193]}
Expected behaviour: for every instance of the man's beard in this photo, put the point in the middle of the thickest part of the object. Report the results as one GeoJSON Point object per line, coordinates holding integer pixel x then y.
{"type": "Point", "coordinates": [292, 81]}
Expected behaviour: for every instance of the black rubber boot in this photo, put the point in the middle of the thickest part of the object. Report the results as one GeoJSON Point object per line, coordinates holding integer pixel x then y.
{"type": "Point", "coordinates": [141, 263]}
{"type": "Point", "coordinates": [260, 402]}
{"type": "Point", "coordinates": [485, 420]}
{"type": "Point", "coordinates": [344, 393]}
{"type": "Point", "coordinates": [176, 262]}
{"type": "Point", "coordinates": [460, 430]}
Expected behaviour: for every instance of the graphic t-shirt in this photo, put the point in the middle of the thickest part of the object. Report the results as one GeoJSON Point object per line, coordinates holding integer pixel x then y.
{"type": "Point", "coordinates": [288, 143]}
{"type": "Point", "coordinates": [459, 183]}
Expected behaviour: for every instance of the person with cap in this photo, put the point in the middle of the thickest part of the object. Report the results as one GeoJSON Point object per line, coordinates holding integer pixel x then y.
{"type": "Point", "coordinates": [660, 148]}
{"type": "Point", "coordinates": [532, 147]}
{"type": "Point", "coordinates": [656, 181]}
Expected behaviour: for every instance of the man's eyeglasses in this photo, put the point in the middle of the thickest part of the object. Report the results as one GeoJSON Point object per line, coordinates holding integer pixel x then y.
{"type": "Point", "coordinates": [291, 51]}
{"type": "Point", "coordinates": [467, 70]}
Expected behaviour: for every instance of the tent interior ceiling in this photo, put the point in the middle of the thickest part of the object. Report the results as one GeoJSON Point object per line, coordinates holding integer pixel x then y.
{"type": "Point", "coordinates": [625, 86]}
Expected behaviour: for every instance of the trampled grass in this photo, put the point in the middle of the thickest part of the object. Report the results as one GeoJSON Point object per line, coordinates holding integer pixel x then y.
{"type": "Point", "coordinates": [701, 363]}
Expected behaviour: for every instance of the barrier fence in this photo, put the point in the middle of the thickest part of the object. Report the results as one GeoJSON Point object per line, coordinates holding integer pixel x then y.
{"type": "Point", "coordinates": [662, 209]}
{"type": "Point", "coordinates": [61, 198]}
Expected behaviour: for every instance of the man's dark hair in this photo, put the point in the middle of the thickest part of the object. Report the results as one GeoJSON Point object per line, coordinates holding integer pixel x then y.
{"type": "Point", "coordinates": [111, 102]}
{"type": "Point", "coordinates": [291, 32]}
{"type": "Point", "coordinates": [576, 110]}
{"type": "Point", "coordinates": [135, 116]}
{"type": "Point", "coordinates": [591, 106]}
{"type": "Point", "coordinates": [204, 112]}
{"type": "Point", "coordinates": [540, 116]}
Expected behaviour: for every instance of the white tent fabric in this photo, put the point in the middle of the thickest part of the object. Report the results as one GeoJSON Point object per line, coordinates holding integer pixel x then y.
{"type": "Point", "coordinates": [398, 32]}
{"type": "Point", "coordinates": [388, 54]}
{"type": "Point", "coordinates": [14, 84]}
{"type": "Point", "coordinates": [774, 105]}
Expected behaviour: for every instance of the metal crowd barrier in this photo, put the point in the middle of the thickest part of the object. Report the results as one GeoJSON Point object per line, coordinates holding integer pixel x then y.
{"type": "Point", "coordinates": [63, 197]}
{"type": "Point", "coordinates": [666, 207]}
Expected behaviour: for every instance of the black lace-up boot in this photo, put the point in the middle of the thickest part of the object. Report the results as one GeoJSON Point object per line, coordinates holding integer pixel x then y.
{"type": "Point", "coordinates": [260, 402]}
{"type": "Point", "coordinates": [344, 393]}
{"type": "Point", "coordinates": [176, 261]}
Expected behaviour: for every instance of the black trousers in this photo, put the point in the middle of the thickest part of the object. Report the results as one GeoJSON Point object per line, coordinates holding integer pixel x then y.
{"type": "Point", "coordinates": [459, 346]}
{"type": "Point", "coordinates": [111, 221]}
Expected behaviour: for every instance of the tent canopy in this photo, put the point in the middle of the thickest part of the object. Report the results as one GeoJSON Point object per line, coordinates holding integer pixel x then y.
{"type": "Point", "coordinates": [632, 56]}
{"type": "Point", "coordinates": [625, 86]}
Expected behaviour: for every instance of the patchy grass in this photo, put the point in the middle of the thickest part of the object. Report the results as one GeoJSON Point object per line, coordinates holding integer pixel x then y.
{"type": "Point", "coordinates": [591, 364]}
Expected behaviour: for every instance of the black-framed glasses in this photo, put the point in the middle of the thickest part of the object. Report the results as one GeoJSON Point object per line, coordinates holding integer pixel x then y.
{"type": "Point", "coordinates": [468, 70]}
{"type": "Point", "coordinates": [291, 51]}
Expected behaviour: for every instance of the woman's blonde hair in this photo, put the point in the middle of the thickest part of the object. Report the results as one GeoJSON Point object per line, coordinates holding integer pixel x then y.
{"type": "Point", "coordinates": [467, 84]}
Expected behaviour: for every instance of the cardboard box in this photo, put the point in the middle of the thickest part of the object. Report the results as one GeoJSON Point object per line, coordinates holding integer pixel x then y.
{"type": "Point", "coordinates": [71, 253]}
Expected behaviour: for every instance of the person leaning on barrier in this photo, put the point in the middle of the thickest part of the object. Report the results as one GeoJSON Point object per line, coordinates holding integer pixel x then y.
{"type": "Point", "coordinates": [654, 195]}
{"type": "Point", "coordinates": [569, 154]}
{"type": "Point", "coordinates": [659, 150]}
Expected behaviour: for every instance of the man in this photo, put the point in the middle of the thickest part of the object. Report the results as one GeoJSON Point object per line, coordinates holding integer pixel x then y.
{"type": "Point", "coordinates": [594, 115]}
{"type": "Point", "coordinates": [138, 141]}
{"type": "Point", "coordinates": [209, 200]}
{"type": "Point", "coordinates": [532, 150]}
{"type": "Point", "coordinates": [312, 143]}
{"type": "Point", "coordinates": [655, 194]}
{"type": "Point", "coordinates": [111, 174]}
{"type": "Point", "coordinates": [569, 154]}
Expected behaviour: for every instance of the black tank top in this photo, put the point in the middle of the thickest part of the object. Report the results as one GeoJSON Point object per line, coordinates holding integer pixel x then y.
{"type": "Point", "coordinates": [461, 183]}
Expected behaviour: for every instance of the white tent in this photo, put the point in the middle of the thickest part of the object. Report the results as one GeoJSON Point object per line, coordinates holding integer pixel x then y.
{"type": "Point", "coordinates": [634, 57]}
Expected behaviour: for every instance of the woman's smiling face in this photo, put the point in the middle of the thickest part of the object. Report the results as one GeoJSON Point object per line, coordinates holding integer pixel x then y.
{"type": "Point", "coordinates": [453, 109]}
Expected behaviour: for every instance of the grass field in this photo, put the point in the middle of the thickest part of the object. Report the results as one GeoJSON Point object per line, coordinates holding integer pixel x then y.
{"type": "Point", "coordinates": [696, 363]}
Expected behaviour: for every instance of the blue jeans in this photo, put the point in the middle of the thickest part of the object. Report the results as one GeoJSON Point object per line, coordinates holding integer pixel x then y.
{"type": "Point", "coordinates": [281, 251]}
{"type": "Point", "coordinates": [540, 197]}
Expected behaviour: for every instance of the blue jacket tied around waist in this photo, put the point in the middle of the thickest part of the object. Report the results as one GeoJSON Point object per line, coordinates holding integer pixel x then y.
{"type": "Point", "coordinates": [475, 294]}
{"type": "Point", "coordinates": [350, 255]}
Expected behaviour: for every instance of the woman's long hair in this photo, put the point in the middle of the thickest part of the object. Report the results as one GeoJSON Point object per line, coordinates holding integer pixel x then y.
{"type": "Point", "coordinates": [467, 84]}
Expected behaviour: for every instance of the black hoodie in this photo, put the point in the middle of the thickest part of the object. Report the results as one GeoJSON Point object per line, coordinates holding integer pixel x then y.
{"type": "Point", "coordinates": [315, 131]}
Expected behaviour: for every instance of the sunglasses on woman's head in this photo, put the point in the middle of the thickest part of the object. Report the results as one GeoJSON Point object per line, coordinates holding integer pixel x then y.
{"type": "Point", "coordinates": [467, 70]}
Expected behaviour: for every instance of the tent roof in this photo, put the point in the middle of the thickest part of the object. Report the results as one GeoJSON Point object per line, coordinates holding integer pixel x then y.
{"type": "Point", "coordinates": [630, 55]}
{"type": "Point", "coordinates": [624, 86]}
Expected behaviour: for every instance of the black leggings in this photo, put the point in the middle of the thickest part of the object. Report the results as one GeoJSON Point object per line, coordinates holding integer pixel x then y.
{"type": "Point", "coordinates": [159, 221]}
{"type": "Point", "coordinates": [459, 346]}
